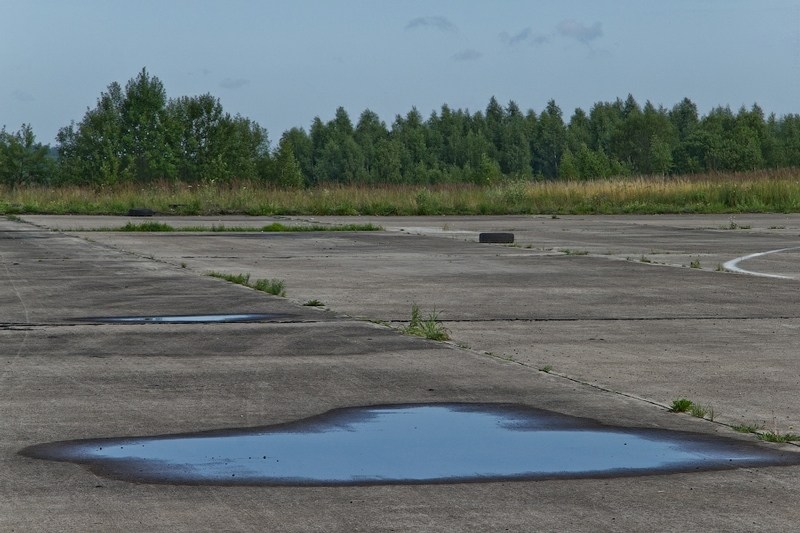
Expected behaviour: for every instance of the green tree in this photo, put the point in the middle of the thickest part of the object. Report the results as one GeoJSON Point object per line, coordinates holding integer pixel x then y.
{"type": "Point", "coordinates": [286, 170]}
{"type": "Point", "coordinates": [568, 169]}
{"type": "Point", "coordinates": [388, 161]}
{"type": "Point", "coordinates": [684, 118]}
{"type": "Point", "coordinates": [301, 148]}
{"type": "Point", "coordinates": [515, 150]}
{"type": "Point", "coordinates": [550, 140]}
{"type": "Point", "coordinates": [92, 150]}
{"type": "Point", "coordinates": [23, 160]}
{"type": "Point", "coordinates": [144, 136]}
{"type": "Point", "coordinates": [195, 128]}
{"type": "Point", "coordinates": [340, 158]}
{"type": "Point", "coordinates": [369, 132]}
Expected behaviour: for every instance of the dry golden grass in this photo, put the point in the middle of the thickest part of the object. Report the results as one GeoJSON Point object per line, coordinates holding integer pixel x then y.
{"type": "Point", "coordinates": [762, 191]}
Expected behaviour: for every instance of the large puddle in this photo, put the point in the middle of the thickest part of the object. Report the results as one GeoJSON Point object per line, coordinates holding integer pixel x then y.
{"type": "Point", "coordinates": [185, 319]}
{"type": "Point", "coordinates": [429, 443]}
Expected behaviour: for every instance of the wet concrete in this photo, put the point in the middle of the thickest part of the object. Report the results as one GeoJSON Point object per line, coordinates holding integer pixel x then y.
{"type": "Point", "coordinates": [425, 443]}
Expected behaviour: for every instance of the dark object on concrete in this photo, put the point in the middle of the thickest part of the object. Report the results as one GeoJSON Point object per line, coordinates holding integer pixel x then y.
{"type": "Point", "coordinates": [499, 238]}
{"type": "Point", "coordinates": [409, 444]}
{"type": "Point", "coordinates": [185, 319]}
{"type": "Point", "coordinates": [140, 212]}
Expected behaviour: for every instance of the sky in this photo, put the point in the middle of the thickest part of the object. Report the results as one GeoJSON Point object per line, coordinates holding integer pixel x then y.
{"type": "Point", "coordinates": [282, 63]}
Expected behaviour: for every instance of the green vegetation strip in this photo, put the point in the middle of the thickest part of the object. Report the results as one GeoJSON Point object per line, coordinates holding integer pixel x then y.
{"type": "Point", "coordinates": [757, 192]}
{"type": "Point", "coordinates": [274, 227]}
{"type": "Point", "coordinates": [273, 286]}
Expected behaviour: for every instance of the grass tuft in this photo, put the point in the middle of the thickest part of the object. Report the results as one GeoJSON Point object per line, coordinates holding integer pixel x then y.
{"type": "Point", "coordinates": [429, 327]}
{"type": "Point", "coordinates": [271, 286]}
{"type": "Point", "coordinates": [774, 436]}
{"type": "Point", "coordinates": [681, 405]}
{"type": "Point", "coordinates": [239, 279]}
{"type": "Point", "coordinates": [147, 226]}
{"type": "Point", "coordinates": [747, 428]}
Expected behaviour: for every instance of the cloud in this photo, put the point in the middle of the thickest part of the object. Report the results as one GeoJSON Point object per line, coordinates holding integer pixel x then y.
{"type": "Point", "coordinates": [577, 30]}
{"type": "Point", "coordinates": [469, 54]}
{"type": "Point", "coordinates": [438, 23]}
{"type": "Point", "coordinates": [526, 35]}
{"type": "Point", "coordinates": [231, 83]}
{"type": "Point", "coordinates": [22, 96]}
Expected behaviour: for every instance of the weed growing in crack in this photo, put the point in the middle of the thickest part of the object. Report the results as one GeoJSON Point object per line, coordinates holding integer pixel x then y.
{"type": "Point", "coordinates": [429, 327]}
{"type": "Point", "coordinates": [695, 263]}
{"type": "Point", "coordinates": [314, 303]}
{"type": "Point", "coordinates": [776, 435]}
{"type": "Point", "coordinates": [771, 436]}
{"type": "Point", "coordinates": [275, 287]}
{"type": "Point", "coordinates": [681, 405]}
{"type": "Point", "coordinates": [239, 279]}
{"type": "Point", "coordinates": [147, 227]}
{"type": "Point", "coordinates": [747, 428]}
{"type": "Point", "coordinates": [702, 411]}
{"type": "Point", "coordinates": [546, 369]}
{"type": "Point", "coordinates": [568, 251]}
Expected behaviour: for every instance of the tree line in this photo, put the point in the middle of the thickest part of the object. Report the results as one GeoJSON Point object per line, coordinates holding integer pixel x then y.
{"type": "Point", "coordinates": [138, 134]}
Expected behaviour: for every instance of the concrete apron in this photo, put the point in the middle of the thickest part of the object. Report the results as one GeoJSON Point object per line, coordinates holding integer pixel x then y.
{"type": "Point", "coordinates": [64, 379]}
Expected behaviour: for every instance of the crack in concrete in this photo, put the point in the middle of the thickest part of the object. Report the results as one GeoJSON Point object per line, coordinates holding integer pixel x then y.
{"type": "Point", "coordinates": [600, 319]}
{"type": "Point", "coordinates": [601, 388]}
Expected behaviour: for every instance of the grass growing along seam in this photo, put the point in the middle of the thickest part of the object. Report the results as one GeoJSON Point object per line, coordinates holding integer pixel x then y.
{"type": "Point", "coordinates": [429, 327]}
{"type": "Point", "coordinates": [274, 227]}
{"type": "Point", "coordinates": [273, 286]}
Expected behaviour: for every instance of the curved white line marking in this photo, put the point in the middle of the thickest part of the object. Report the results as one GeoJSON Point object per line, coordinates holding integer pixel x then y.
{"type": "Point", "coordinates": [731, 265]}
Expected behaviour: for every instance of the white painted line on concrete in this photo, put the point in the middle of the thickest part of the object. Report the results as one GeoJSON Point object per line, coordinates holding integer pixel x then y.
{"type": "Point", "coordinates": [731, 265]}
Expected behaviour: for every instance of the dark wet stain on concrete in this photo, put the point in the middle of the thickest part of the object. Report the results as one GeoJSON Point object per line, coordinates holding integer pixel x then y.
{"type": "Point", "coordinates": [392, 444]}
{"type": "Point", "coordinates": [185, 319]}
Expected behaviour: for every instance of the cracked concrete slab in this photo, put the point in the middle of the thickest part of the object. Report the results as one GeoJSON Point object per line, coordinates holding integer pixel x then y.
{"type": "Point", "coordinates": [620, 336]}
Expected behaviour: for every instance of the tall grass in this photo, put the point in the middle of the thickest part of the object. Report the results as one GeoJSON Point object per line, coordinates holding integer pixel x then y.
{"type": "Point", "coordinates": [762, 191]}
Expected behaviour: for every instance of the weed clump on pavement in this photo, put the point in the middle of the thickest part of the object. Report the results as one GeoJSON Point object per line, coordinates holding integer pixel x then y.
{"type": "Point", "coordinates": [772, 436]}
{"type": "Point", "coordinates": [147, 226]}
{"type": "Point", "coordinates": [429, 327]}
{"type": "Point", "coordinates": [747, 428]}
{"type": "Point", "coordinates": [273, 286]}
{"type": "Point", "coordinates": [681, 405]}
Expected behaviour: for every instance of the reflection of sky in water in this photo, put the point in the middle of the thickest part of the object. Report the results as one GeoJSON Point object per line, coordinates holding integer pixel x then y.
{"type": "Point", "coordinates": [188, 318]}
{"type": "Point", "coordinates": [407, 443]}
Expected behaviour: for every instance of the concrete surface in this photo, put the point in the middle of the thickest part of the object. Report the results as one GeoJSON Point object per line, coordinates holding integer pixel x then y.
{"type": "Point", "coordinates": [622, 336]}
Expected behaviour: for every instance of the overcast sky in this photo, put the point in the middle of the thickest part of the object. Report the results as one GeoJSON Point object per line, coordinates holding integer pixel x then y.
{"type": "Point", "coordinates": [282, 63]}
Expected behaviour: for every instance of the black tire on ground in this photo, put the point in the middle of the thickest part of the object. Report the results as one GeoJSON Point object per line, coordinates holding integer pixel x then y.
{"type": "Point", "coordinates": [140, 212]}
{"type": "Point", "coordinates": [500, 238]}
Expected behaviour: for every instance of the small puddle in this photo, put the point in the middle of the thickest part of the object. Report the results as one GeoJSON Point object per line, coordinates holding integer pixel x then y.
{"type": "Point", "coordinates": [429, 443]}
{"type": "Point", "coordinates": [185, 319]}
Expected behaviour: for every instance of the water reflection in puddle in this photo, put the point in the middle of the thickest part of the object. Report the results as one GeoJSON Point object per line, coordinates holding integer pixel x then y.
{"type": "Point", "coordinates": [430, 443]}
{"type": "Point", "coordinates": [186, 319]}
